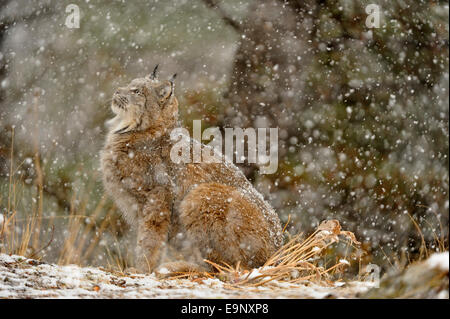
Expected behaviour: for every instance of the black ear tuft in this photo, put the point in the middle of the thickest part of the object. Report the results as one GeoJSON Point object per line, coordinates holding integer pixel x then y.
{"type": "Point", "coordinates": [172, 79]}
{"type": "Point", "coordinates": [154, 74]}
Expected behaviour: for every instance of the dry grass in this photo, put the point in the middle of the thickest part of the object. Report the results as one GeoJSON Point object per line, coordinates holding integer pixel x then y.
{"type": "Point", "coordinates": [83, 231]}
{"type": "Point", "coordinates": [296, 261]}
{"type": "Point", "coordinates": [24, 233]}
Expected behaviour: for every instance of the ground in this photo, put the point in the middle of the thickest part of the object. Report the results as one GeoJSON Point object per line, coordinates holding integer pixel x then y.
{"type": "Point", "coordinates": [27, 278]}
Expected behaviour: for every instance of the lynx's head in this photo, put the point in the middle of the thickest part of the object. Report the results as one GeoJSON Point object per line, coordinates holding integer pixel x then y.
{"type": "Point", "coordinates": [143, 104]}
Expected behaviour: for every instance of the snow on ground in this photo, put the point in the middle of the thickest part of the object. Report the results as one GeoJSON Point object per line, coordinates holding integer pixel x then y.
{"type": "Point", "coordinates": [439, 260]}
{"type": "Point", "coordinates": [27, 278]}
{"type": "Point", "coordinates": [421, 279]}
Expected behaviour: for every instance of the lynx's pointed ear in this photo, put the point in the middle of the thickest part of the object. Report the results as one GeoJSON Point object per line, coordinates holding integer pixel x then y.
{"type": "Point", "coordinates": [154, 74]}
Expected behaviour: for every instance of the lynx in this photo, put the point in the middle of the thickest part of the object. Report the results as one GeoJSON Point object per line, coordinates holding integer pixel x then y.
{"type": "Point", "coordinates": [183, 212]}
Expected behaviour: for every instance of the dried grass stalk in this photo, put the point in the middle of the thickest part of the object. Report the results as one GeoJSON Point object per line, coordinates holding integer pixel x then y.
{"type": "Point", "coordinates": [294, 262]}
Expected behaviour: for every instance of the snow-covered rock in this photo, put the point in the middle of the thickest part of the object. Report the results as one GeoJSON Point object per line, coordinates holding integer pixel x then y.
{"type": "Point", "coordinates": [425, 279]}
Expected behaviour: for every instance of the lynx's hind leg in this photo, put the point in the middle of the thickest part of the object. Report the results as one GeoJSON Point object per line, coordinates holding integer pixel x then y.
{"type": "Point", "coordinates": [225, 226]}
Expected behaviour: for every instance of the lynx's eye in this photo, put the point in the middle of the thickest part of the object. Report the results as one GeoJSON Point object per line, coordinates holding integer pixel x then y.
{"type": "Point", "coordinates": [136, 91]}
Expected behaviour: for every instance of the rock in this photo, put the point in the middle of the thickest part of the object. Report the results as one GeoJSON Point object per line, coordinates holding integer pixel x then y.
{"type": "Point", "coordinates": [425, 279]}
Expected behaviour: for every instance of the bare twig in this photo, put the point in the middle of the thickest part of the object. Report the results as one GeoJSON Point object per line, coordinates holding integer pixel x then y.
{"type": "Point", "coordinates": [225, 17]}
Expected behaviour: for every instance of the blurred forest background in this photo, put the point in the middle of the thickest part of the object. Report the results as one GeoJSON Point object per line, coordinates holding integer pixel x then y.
{"type": "Point", "coordinates": [363, 113]}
